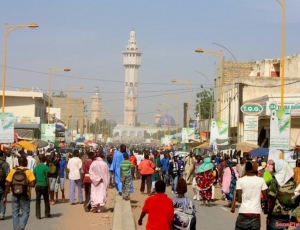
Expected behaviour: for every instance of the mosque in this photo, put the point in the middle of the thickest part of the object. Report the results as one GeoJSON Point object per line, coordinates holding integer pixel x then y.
{"type": "Point", "coordinates": [130, 131]}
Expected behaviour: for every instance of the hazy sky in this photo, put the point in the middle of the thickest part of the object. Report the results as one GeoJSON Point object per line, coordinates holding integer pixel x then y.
{"type": "Point", "coordinates": [89, 37]}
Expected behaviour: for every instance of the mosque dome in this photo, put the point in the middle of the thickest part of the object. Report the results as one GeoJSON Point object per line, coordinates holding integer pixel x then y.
{"type": "Point", "coordinates": [112, 122]}
{"type": "Point", "coordinates": [166, 120]}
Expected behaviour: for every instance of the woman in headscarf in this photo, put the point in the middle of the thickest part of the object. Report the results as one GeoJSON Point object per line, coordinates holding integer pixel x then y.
{"type": "Point", "coordinates": [184, 203]}
{"type": "Point", "coordinates": [230, 177]}
{"type": "Point", "coordinates": [205, 180]}
{"type": "Point", "coordinates": [280, 195]}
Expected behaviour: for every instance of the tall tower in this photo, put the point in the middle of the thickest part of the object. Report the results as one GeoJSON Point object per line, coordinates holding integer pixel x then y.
{"type": "Point", "coordinates": [131, 62]}
{"type": "Point", "coordinates": [95, 106]}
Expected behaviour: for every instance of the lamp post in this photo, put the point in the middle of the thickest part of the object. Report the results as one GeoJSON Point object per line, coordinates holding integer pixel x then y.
{"type": "Point", "coordinates": [282, 4]}
{"type": "Point", "coordinates": [51, 72]}
{"type": "Point", "coordinates": [68, 104]}
{"type": "Point", "coordinates": [211, 103]}
{"type": "Point", "coordinates": [188, 85]}
{"type": "Point", "coordinates": [7, 30]}
{"type": "Point", "coordinates": [175, 96]}
{"type": "Point", "coordinates": [219, 55]}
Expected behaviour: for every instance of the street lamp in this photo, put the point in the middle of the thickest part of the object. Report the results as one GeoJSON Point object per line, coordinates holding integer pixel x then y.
{"type": "Point", "coordinates": [7, 30]}
{"type": "Point", "coordinates": [219, 55]}
{"type": "Point", "coordinates": [68, 104]}
{"type": "Point", "coordinates": [51, 72]}
{"type": "Point", "coordinates": [188, 85]}
{"type": "Point", "coordinates": [175, 96]}
{"type": "Point", "coordinates": [282, 4]}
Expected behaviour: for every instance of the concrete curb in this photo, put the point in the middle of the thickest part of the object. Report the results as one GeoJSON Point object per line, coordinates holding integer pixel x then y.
{"type": "Point", "coordinates": [123, 216]}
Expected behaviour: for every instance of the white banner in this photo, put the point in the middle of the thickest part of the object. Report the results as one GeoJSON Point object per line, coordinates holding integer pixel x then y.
{"type": "Point", "coordinates": [6, 128]}
{"type": "Point", "coordinates": [280, 129]}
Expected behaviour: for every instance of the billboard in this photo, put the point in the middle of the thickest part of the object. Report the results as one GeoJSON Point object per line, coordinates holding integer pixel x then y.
{"type": "Point", "coordinates": [68, 136]}
{"type": "Point", "coordinates": [280, 129]}
{"type": "Point", "coordinates": [219, 130]}
{"type": "Point", "coordinates": [186, 134]}
{"type": "Point", "coordinates": [6, 128]}
{"type": "Point", "coordinates": [48, 132]}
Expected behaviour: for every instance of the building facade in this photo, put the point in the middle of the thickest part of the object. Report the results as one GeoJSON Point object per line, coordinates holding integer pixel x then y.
{"type": "Point", "coordinates": [131, 62]}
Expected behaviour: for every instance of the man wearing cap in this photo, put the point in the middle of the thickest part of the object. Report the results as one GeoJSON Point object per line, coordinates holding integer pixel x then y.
{"type": "Point", "coordinates": [249, 188]}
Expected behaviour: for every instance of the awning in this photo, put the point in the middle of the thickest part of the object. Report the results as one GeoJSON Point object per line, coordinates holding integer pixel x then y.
{"type": "Point", "coordinates": [26, 126]}
{"type": "Point", "coordinates": [245, 146]}
{"type": "Point", "coordinates": [205, 144]}
{"type": "Point", "coordinates": [25, 134]}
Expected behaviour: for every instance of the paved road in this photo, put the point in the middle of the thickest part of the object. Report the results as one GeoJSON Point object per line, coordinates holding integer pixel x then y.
{"type": "Point", "coordinates": [65, 216]}
{"type": "Point", "coordinates": [215, 217]}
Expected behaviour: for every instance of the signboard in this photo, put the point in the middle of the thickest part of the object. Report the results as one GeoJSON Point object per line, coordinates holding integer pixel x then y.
{"type": "Point", "coordinates": [48, 132]}
{"type": "Point", "coordinates": [251, 129]}
{"type": "Point", "coordinates": [186, 134]}
{"type": "Point", "coordinates": [35, 120]}
{"type": "Point", "coordinates": [280, 128]}
{"type": "Point", "coordinates": [251, 108]}
{"type": "Point", "coordinates": [6, 128]}
{"type": "Point", "coordinates": [193, 124]}
{"type": "Point", "coordinates": [219, 130]}
{"type": "Point", "coordinates": [294, 108]}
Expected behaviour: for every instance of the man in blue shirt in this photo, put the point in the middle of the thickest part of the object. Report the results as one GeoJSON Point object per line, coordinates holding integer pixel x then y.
{"type": "Point", "coordinates": [165, 167]}
{"type": "Point", "coordinates": [62, 174]}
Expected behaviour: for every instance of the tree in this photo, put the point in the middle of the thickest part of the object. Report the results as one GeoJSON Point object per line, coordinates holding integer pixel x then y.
{"type": "Point", "coordinates": [204, 103]}
{"type": "Point", "coordinates": [60, 94]}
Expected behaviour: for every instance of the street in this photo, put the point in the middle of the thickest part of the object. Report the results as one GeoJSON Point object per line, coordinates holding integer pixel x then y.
{"type": "Point", "coordinates": [215, 217]}
{"type": "Point", "coordinates": [65, 216]}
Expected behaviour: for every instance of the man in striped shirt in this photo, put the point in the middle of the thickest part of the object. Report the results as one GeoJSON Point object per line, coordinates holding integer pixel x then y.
{"type": "Point", "coordinates": [125, 168]}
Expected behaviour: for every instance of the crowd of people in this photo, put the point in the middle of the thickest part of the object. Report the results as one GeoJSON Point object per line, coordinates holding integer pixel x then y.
{"type": "Point", "coordinates": [258, 184]}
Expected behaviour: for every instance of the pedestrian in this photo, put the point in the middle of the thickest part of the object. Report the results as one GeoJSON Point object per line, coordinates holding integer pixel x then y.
{"type": "Point", "coordinates": [115, 167]}
{"type": "Point", "coordinates": [126, 166]}
{"type": "Point", "coordinates": [87, 181]}
{"type": "Point", "coordinates": [133, 161]}
{"type": "Point", "coordinates": [189, 167]}
{"type": "Point", "coordinates": [280, 193]}
{"type": "Point", "coordinates": [181, 166]}
{"type": "Point", "coordinates": [20, 199]}
{"type": "Point", "coordinates": [174, 173]}
{"type": "Point", "coordinates": [146, 168]}
{"type": "Point", "coordinates": [109, 159]}
{"type": "Point", "coordinates": [184, 203]}
{"type": "Point", "coordinates": [165, 168]}
{"type": "Point", "coordinates": [4, 170]}
{"type": "Point", "coordinates": [155, 176]}
{"type": "Point", "coordinates": [54, 180]}
{"type": "Point", "coordinates": [99, 174]}
{"type": "Point", "coordinates": [74, 166]}
{"type": "Point", "coordinates": [159, 208]}
{"type": "Point", "coordinates": [240, 167]}
{"type": "Point", "coordinates": [139, 159]}
{"type": "Point", "coordinates": [10, 159]}
{"type": "Point", "coordinates": [62, 174]}
{"type": "Point", "coordinates": [205, 180]}
{"type": "Point", "coordinates": [249, 189]}
{"type": "Point", "coordinates": [41, 173]}
{"type": "Point", "coordinates": [31, 161]}
{"type": "Point", "coordinates": [230, 177]}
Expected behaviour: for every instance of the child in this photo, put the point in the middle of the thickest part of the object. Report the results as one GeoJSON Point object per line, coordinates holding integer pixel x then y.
{"type": "Point", "coordinates": [184, 203]}
{"type": "Point", "coordinates": [125, 168]}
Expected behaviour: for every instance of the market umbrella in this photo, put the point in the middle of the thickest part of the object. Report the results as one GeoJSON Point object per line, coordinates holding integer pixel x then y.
{"type": "Point", "coordinates": [40, 143]}
{"type": "Point", "coordinates": [25, 144]}
{"type": "Point", "coordinates": [245, 146]}
{"type": "Point", "coordinates": [259, 152]}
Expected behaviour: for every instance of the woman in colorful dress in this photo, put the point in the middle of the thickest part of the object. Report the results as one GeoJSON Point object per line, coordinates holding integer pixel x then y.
{"type": "Point", "coordinates": [230, 177]}
{"type": "Point", "coordinates": [205, 180]}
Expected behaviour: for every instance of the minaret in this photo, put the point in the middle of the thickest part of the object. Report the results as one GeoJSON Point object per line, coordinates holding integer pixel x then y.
{"type": "Point", "coordinates": [132, 62]}
{"type": "Point", "coordinates": [95, 106]}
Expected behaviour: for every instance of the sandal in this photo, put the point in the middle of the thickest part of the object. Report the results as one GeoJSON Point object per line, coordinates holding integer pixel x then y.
{"type": "Point", "coordinates": [52, 202]}
{"type": "Point", "coordinates": [93, 210]}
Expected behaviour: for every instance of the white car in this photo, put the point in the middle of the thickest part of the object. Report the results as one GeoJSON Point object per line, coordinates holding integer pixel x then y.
{"type": "Point", "coordinates": [182, 154]}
